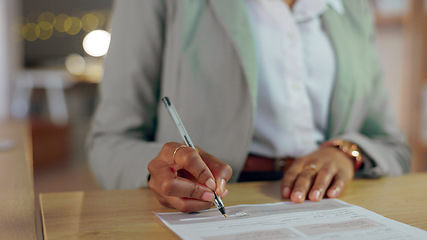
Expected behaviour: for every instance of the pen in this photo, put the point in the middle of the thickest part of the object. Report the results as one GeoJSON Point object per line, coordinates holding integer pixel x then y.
{"type": "Point", "coordinates": [177, 120]}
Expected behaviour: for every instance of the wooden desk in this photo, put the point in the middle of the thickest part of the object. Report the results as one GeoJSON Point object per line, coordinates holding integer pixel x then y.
{"type": "Point", "coordinates": [128, 214]}
{"type": "Point", "coordinates": [17, 220]}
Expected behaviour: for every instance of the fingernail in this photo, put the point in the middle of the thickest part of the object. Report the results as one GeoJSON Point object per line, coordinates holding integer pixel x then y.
{"type": "Point", "coordinates": [335, 192]}
{"type": "Point", "coordinates": [298, 196]}
{"type": "Point", "coordinates": [316, 195]}
{"type": "Point", "coordinates": [286, 192]}
{"type": "Point", "coordinates": [222, 185]}
{"type": "Point", "coordinates": [208, 196]}
{"type": "Point", "coordinates": [210, 183]}
{"type": "Point", "coordinates": [225, 193]}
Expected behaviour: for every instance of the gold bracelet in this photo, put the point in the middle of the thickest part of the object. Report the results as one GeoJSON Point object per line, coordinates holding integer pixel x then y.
{"type": "Point", "coordinates": [350, 149]}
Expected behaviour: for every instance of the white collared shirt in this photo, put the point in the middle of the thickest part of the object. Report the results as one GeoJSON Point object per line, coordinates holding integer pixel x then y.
{"type": "Point", "coordinates": [296, 66]}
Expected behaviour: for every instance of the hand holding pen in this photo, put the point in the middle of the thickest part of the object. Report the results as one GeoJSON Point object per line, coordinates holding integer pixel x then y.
{"type": "Point", "coordinates": [185, 177]}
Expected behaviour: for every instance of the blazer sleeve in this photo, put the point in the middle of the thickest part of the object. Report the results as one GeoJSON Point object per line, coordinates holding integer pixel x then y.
{"type": "Point", "coordinates": [381, 141]}
{"type": "Point", "coordinates": [120, 144]}
{"type": "Point", "coordinates": [380, 138]}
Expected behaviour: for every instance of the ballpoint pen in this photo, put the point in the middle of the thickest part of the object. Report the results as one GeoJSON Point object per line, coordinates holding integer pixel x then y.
{"type": "Point", "coordinates": [177, 120]}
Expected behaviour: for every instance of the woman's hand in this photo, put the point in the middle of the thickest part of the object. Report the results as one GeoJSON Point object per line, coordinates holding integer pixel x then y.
{"type": "Point", "coordinates": [327, 170]}
{"type": "Point", "coordinates": [184, 178]}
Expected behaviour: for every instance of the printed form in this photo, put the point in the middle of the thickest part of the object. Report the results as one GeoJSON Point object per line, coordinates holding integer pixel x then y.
{"type": "Point", "coordinates": [327, 219]}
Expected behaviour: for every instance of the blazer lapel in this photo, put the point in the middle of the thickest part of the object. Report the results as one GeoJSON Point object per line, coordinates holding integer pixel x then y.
{"type": "Point", "coordinates": [345, 85]}
{"type": "Point", "coordinates": [233, 16]}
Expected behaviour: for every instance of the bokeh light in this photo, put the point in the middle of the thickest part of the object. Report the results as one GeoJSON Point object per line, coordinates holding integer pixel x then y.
{"type": "Point", "coordinates": [101, 18]}
{"type": "Point", "coordinates": [89, 22]}
{"type": "Point", "coordinates": [75, 64]}
{"type": "Point", "coordinates": [96, 43]}
{"type": "Point", "coordinates": [72, 25]}
{"type": "Point", "coordinates": [94, 69]}
{"type": "Point", "coordinates": [60, 22]}
{"type": "Point", "coordinates": [47, 17]}
{"type": "Point", "coordinates": [46, 30]}
{"type": "Point", "coordinates": [31, 31]}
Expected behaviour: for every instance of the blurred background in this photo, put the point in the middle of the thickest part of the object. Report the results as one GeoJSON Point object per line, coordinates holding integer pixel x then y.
{"type": "Point", "coordinates": [51, 62]}
{"type": "Point", "coordinates": [63, 44]}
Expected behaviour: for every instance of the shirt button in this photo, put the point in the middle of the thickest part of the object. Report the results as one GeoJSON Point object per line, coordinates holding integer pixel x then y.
{"type": "Point", "coordinates": [296, 86]}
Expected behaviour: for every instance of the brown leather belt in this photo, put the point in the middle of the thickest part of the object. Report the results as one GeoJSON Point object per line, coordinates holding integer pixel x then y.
{"type": "Point", "coordinates": [256, 163]}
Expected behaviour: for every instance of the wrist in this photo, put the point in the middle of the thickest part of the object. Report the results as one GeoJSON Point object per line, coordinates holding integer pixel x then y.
{"type": "Point", "coordinates": [350, 149]}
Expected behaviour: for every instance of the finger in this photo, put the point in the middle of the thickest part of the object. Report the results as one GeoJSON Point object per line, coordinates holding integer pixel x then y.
{"type": "Point", "coordinates": [290, 177]}
{"type": "Point", "coordinates": [322, 182]}
{"type": "Point", "coordinates": [302, 185]}
{"type": "Point", "coordinates": [221, 171]}
{"type": "Point", "coordinates": [188, 205]}
{"type": "Point", "coordinates": [181, 187]}
{"type": "Point", "coordinates": [338, 185]}
{"type": "Point", "coordinates": [168, 150]}
{"type": "Point", "coordinates": [190, 160]}
{"type": "Point", "coordinates": [165, 181]}
{"type": "Point", "coordinates": [160, 172]}
{"type": "Point", "coordinates": [162, 200]}
{"type": "Point", "coordinates": [224, 194]}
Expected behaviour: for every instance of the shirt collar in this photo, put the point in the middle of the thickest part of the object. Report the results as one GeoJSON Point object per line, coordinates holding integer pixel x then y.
{"type": "Point", "coordinates": [304, 10]}
{"type": "Point", "coordinates": [312, 8]}
{"type": "Point", "coordinates": [337, 6]}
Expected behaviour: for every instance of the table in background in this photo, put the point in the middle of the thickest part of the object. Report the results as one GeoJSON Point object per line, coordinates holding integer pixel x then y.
{"type": "Point", "coordinates": [128, 214]}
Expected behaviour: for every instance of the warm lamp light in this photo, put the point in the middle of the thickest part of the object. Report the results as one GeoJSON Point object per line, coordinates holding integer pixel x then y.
{"type": "Point", "coordinates": [96, 43]}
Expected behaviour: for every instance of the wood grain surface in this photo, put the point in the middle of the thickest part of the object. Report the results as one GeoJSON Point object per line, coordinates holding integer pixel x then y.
{"type": "Point", "coordinates": [128, 214]}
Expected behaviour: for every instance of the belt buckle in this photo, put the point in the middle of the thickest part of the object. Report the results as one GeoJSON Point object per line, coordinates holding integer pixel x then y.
{"type": "Point", "coordinates": [279, 163]}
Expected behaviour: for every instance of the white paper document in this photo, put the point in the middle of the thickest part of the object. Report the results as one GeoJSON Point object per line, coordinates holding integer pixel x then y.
{"type": "Point", "coordinates": [327, 219]}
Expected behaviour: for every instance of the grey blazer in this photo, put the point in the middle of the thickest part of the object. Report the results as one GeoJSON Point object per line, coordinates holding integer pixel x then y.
{"type": "Point", "coordinates": [201, 54]}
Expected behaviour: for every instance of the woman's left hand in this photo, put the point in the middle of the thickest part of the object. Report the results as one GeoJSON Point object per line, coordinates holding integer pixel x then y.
{"type": "Point", "coordinates": [326, 170]}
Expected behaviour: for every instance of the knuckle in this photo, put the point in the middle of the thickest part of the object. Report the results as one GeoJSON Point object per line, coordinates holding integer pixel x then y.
{"type": "Point", "coordinates": [164, 202]}
{"type": "Point", "coordinates": [193, 163]}
{"type": "Point", "coordinates": [168, 146]}
{"type": "Point", "coordinates": [201, 171]}
{"type": "Point", "coordinates": [186, 155]}
{"type": "Point", "coordinates": [287, 181]}
{"type": "Point", "coordinates": [291, 173]}
{"type": "Point", "coordinates": [167, 187]}
{"type": "Point", "coordinates": [342, 180]}
{"type": "Point", "coordinates": [192, 190]}
{"type": "Point", "coordinates": [340, 177]}
{"type": "Point", "coordinates": [228, 170]}
{"type": "Point", "coordinates": [299, 188]}
{"type": "Point", "coordinates": [150, 167]}
{"type": "Point", "coordinates": [151, 184]}
{"type": "Point", "coordinates": [183, 206]}
{"type": "Point", "coordinates": [305, 175]}
{"type": "Point", "coordinates": [329, 165]}
{"type": "Point", "coordinates": [320, 186]}
{"type": "Point", "coordinates": [202, 152]}
{"type": "Point", "coordinates": [326, 171]}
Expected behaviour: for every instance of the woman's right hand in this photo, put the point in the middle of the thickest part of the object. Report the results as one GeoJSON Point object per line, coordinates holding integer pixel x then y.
{"type": "Point", "coordinates": [185, 180]}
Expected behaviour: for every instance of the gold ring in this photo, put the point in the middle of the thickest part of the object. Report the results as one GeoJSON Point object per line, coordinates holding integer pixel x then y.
{"type": "Point", "coordinates": [176, 150]}
{"type": "Point", "coordinates": [312, 166]}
